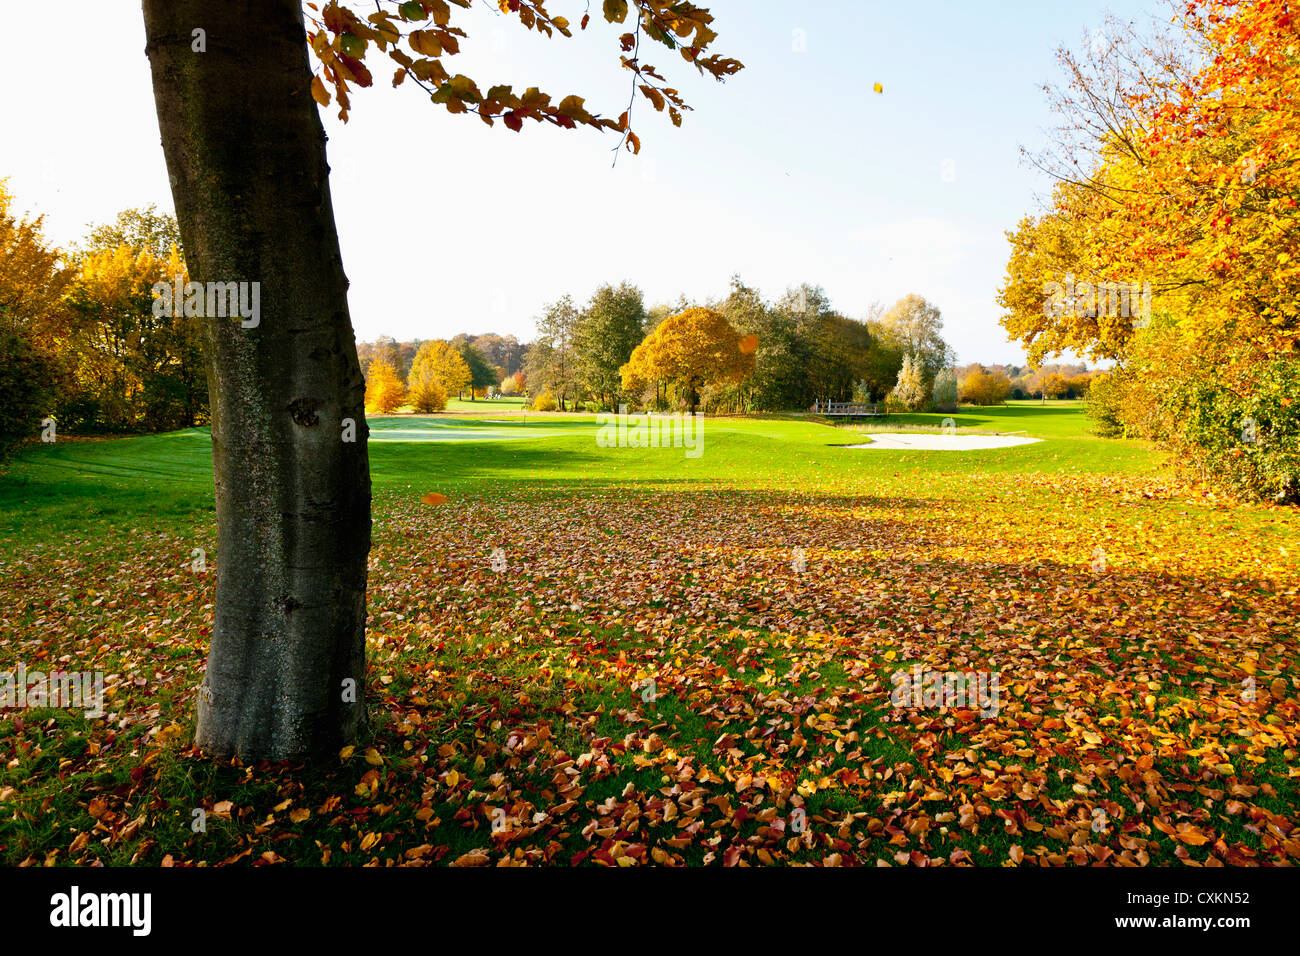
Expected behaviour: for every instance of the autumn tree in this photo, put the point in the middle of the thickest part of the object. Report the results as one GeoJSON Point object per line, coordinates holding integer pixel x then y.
{"type": "Point", "coordinates": [134, 366]}
{"type": "Point", "coordinates": [916, 325]}
{"type": "Point", "coordinates": [138, 229]}
{"type": "Point", "coordinates": [1055, 385]}
{"type": "Point", "coordinates": [1178, 170]}
{"type": "Point", "coordinates": [695, 348]}
{"type": "Point", "coordinates": [441, 363]}
{"type": "Point", "coordinates": [982, 387]}
{"type": "Point", "coordinates": [911, 390]}
{"type": "Point", "coordinates": [33, 273]}
{"type": "Point", "coordinates": [33, 280]}
{"type": "Point", "coordinates": [424, 388]}
{"type": "Point", "coordinates": [245, 149]}
{"type": "Point", "coordinates": [385, 392]}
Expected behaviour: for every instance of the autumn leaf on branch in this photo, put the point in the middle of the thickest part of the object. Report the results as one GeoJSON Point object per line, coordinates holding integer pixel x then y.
{"type": "Point", "coordinates": [418, 35]}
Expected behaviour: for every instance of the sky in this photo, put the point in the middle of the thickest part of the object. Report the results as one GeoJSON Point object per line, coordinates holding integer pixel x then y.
{"type": "Point", "coordinates": [792, 171]}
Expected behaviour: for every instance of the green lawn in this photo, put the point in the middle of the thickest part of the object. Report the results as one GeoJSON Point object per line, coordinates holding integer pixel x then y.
{"type": "Point", "coordinates": [156, 477]}
{"type": "Point", "coordinates": [519, 695]}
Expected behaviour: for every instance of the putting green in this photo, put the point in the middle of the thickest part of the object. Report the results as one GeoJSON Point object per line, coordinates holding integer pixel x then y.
{"type": "Point", "coordinates": [407, 429]}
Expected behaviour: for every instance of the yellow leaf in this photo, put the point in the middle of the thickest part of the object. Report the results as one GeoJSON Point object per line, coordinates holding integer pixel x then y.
{"type": "Point", "coordinates": [425, 42]}
{"type": "Point", "coordinates": [318, 91]}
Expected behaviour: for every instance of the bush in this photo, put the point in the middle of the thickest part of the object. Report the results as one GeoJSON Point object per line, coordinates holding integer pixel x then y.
{"type": "Point", "coordinates": [895, 405]}
{"type": "Point", "coordinates": [427, 397]}
{"type": "Point", "coordinates": [545, 402]}
{"type": "Point", "coordinates": [27, 382]}
{"type": "Point", "coordinates": [1246, 441]}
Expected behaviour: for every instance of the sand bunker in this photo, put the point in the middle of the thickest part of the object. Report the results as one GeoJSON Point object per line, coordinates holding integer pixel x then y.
{"type": "Point", "coordinates": [886, 441]}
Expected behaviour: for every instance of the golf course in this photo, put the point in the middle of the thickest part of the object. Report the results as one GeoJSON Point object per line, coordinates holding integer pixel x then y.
{"type": "Point", "coordinates": [622, 655]}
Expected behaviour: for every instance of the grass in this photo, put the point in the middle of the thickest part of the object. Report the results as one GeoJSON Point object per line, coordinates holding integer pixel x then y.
{"type": "Point", "coordinates": [519, 697]}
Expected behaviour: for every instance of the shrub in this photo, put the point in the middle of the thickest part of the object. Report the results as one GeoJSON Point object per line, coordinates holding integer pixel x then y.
{"type": "Point", "coordinates": [427, 397]}
{"type": "Point", "coordinates": [1247, 440]}
{"type": "Point", "coordinates": [545, 402]}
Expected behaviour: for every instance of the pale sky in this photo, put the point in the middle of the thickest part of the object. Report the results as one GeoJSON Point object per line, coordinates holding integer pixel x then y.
{"type": "Point", "coordinates": [792, 171]}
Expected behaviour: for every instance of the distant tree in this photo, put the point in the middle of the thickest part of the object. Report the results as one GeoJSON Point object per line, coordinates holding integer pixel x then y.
{"type": "Point", "coordinates": [1080, 383]}
{"type": "Point", "coordinates": [503, 352]}
{"type": "Point", "coordinates": [33, 276]}
{"type": "Point", "coordinates": [982, 387]}
{"type": "Point", "coordinates": [33, 352]}
{"type": "Point", "coordinates": [509, 386]}
{"type": "Point", "coordinates": [551, 365]}
{"type": "Point", "coordinates": [439, 362]}
{"type": "Point", "coordinates": [385, 392]}
{"type": "Point", "coordinates": [133, 366]}
{"type": "Point", "coordinates": [779, 380]}
{"type": "Point", "coordinates": [138, 229]}
{"type": "Point", "coordinates": [917, 326]}
{"type": "Point", "coordinates": [611, 326]}
{"type": "Point", "coordinates": [944, 393]}
{"type": "Point", "coordinates": [838, 351]}
{"type": "Point", "coordinates": [424, 383]}
{"type": "Point", "coordinates": [911, 391]}
{"type": "Point", "coordinates": [885, 360]}
{"type": "Point", "coordinates": [481, 372]}
{"type": "Point", "coordinates": [1055, 385]}
{"type": "Point", "coordinates": [387, 349]}
{"type": "Point", "coordinates": [696, 348]}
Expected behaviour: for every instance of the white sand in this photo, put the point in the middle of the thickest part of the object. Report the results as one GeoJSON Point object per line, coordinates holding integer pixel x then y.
{"type": "Point", "coordinates": [922, 442]}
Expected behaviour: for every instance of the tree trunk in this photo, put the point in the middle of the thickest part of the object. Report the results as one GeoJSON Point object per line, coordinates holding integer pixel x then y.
{"type": "Point", "coordinates": [246, 155]}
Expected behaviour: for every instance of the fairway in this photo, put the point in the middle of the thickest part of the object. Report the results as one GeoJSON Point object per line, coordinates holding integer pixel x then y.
{"type": "Point", "coordinates": [628, 653]}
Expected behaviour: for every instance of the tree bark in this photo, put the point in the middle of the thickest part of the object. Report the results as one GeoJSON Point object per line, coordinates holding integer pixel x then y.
{"type": "Point", "coordinates": [245, 151]}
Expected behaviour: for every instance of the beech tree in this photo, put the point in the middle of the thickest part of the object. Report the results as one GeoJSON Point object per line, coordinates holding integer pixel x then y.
{"type": "Point", "coordinates": [236, 98]}
{"type": "Point", "coordinates": [696, 348]}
